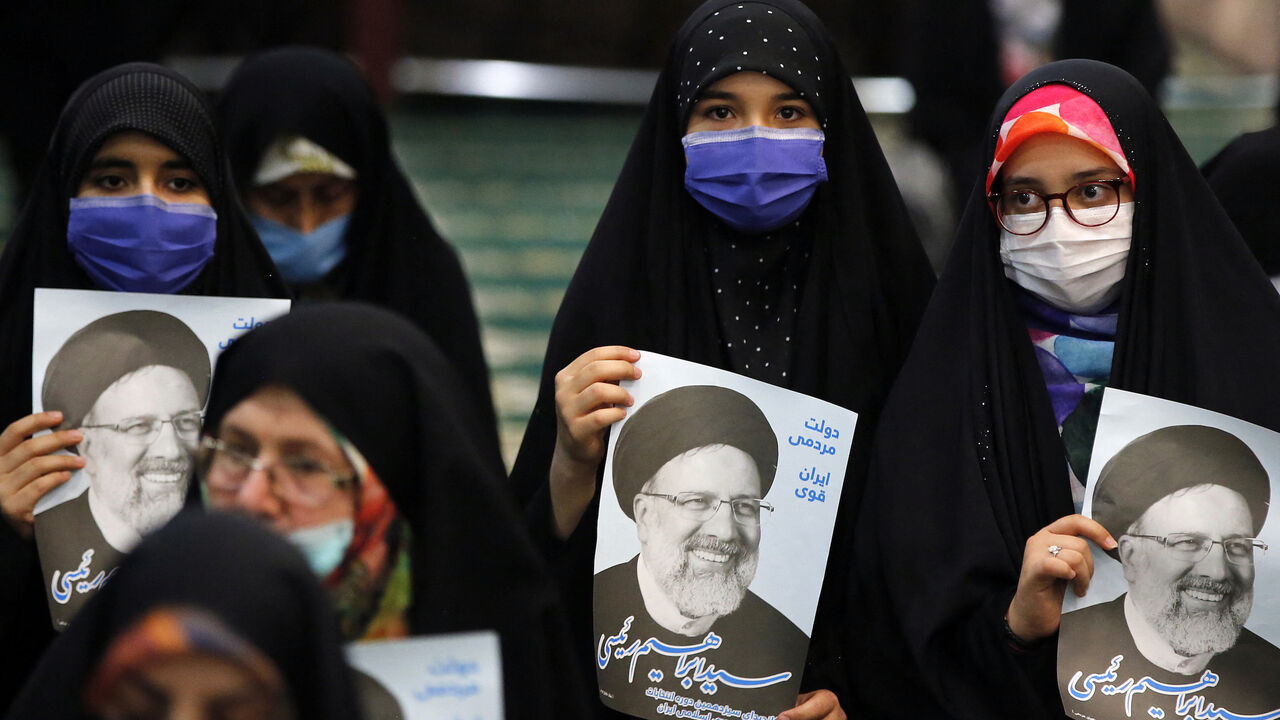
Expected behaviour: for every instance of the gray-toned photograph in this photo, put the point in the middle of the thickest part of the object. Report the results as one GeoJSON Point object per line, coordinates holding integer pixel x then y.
{"type": "Point", "coordinates": [714, 528]}
{"type": "Point", "coordinates": [135, 384]}
{"type": "Point", "coordinates": [1188, 506]}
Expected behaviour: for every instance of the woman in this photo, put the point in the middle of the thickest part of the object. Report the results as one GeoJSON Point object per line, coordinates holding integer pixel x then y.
{"type": "Point", "coordinates": [1242, 174]}
{"type": "Point", "coordinates": [343, 427]}
{"type": "Point", "coordinates": [174, 635]}
{"type": "Point", "coordinates": [311, 154]}
{"type": "Point", "coordinates": [1133, 278]}
{"type": "Point", "coordinates": [815, 285]}
{"type": "Point", "coordinates": [134, 195]}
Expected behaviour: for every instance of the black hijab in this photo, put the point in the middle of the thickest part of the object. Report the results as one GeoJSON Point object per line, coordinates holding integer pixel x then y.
{"type": "Point", "coordinates": [163, 104]}
{"type": "Point", "coordinates": [395, 257]}
{"type": "Point", "coordinates": [968, 462]}
{"type": "Point", "coordinates": [1246, 177]}
{"type": "Point", "coordinates": [205, 562]}
{"type": "Point", "coordinates": [385, 386]}
{"type": "Point", "coordinates": [648, 278]}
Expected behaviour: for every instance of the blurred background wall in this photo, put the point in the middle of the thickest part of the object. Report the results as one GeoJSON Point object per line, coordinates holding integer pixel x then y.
{"type": "Point", "coordinates": [517, 184]}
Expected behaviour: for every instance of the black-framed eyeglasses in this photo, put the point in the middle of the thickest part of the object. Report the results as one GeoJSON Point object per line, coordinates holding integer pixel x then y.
{"type": "Point", "coordinates": [296, 479]}
{"type": "Point", "coordinates": [1023, 211]}
{"type": "Point", "coordinates": [144, 429]}
{"type": "Point", "coordinates": [1193, 547]}
{"type": "Point", "coordinates": [701, 507]}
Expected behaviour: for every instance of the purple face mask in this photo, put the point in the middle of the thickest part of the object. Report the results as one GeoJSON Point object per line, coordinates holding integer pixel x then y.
{"type": "Point", "coordinates": [756, 178]}
{"type": "Point", "coordinates": [141, 243]}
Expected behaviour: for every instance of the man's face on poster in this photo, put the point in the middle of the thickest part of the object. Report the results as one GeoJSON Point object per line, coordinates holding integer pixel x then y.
{"type": "Point", "coordinates": [138, 443]}
{"type": "Point", "coordinates": [1197, 605]}
{"type": "Point", "coordinates": [703, 565]}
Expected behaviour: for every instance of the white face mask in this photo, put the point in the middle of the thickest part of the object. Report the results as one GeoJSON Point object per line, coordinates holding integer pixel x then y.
{"type": "Point", "coordinates": [1070, 266]}
{"type": "Point", "coordinates": [325, 545]}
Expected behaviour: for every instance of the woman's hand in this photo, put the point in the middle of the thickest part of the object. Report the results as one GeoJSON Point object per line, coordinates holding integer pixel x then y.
{"type": "Point", "coordinates": [1036, 609]}
{"type": "Point", "coordinates": [588, 400]}
{"type": "Point", "coordinates": [29, 469]}
{"type": "Point", "coordinates": [816, 705]}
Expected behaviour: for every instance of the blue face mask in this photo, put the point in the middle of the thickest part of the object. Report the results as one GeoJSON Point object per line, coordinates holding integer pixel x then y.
{"type": "Point", "coordinates": [325, 545]}
{"type": "Point", "coordinates": [756, 178]}
{"type": "Point", "coordinates": [304, 257]}
{"type": "Point", "coordinates": [141, 243]}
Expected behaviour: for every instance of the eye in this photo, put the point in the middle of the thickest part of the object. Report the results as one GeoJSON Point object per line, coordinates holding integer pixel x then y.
{"type": "Point", "coordinates": [110, 183]}
{"type": "Point", "coordinates": [274, 195]}
{"type": "Point", "coordinates": [241, 451]}
{"type": "Point", "coordinates": [719, 112]}
{"type": "Point", "coordinates": [301, 465]}
{"type": "Point", "coordinates": [694, 502]}
{"type": "Point", "coordinates": [137, 426]}
{"type": "Point", "coordinates": [189, 424]}
{"type": "Point", "coordinates": [330, 193]}
{"type": "Point", "coordinates": [790, 112]}
{"type": "Point", "coordinates": [183, 184]}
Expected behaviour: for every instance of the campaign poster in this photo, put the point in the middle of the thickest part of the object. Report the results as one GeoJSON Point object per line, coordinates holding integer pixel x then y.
{"type": "Point", "coordinates": [427, 677]}
{"type": "Point", "coordinates": [132, 372]}
{"type": "Point", "coordinates": [716, 512]}
{"type": "Point", "coordinates": [1181, 620]}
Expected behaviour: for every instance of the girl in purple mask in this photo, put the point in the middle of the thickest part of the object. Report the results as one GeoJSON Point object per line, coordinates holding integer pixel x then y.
{"type": "Point", "coordinates": [133, 196]}
{"type": "Point", "coordinates": [755, 227]}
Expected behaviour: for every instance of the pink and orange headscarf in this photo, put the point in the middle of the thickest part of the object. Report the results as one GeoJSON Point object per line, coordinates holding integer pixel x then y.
{"type": "Point", "coordinates": [1056, 109]}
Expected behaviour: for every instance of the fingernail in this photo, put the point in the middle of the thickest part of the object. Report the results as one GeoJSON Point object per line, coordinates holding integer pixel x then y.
{"type": "Point", "coordinates": [55, 415]}
{"type": "Point", "coordinates": [635, 354]}
{"type": "Point", "coordinates": [76, 435]}
{"type": "Point", "coordinates": [1111, 543]}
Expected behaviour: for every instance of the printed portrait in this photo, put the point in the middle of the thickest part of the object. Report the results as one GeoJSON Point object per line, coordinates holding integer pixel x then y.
{"type": "Point", "coordinates": [1188, 506]}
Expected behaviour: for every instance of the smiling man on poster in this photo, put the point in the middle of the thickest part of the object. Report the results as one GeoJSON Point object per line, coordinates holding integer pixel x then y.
{"type": "Point", "coordinates": [134, 383]}
{"type": "Point", "coordinates": [1186, 504]}
{"type": "Point", "coordinates": [692, 467]}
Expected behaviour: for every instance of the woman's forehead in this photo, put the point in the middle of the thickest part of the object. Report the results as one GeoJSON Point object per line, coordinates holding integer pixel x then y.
{"type": "Point", "coordinates": [1052, 157]}
{"type": "Point", "coordinates": [135, 145]}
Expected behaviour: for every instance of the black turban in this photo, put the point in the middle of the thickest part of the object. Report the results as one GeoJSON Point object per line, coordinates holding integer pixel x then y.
{"type": "Point", "coordinates": [1175, 458]}
{"type": "Point", "coordinates": [108, 348]}
{"type": "Point", "coordinates": [685, 418]}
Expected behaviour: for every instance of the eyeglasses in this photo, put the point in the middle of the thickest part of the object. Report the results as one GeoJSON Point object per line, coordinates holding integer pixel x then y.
{"type": "Point", "coordinates": [1026, 212]}
{"type": "Point", "coordinates": [1193, 547]}
{"type": "Point", "coordinates": [701, 507]}
{"type": "Point", "coordinates": [296, 479]}
{"type": "Point", "coordinates": [144, 429]}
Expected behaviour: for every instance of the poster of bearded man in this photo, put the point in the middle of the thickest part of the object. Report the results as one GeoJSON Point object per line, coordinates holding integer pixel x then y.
{"type": "Point", "coordinates": [1181, 619]}
{"type": "Point", "coordinates": [716, 513]}
{"type": "Point", "coordinates": [131, 372]}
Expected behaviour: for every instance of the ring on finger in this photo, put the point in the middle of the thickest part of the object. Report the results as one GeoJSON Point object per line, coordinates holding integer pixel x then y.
{"type": "Point", "coordinates": [1054, 550]}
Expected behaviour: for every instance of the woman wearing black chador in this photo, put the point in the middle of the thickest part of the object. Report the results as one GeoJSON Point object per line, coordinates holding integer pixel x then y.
{"type": "Point", "coordinates": [755, 227]}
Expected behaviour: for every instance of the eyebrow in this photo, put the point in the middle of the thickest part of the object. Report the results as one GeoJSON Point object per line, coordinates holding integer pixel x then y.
{"type": "Point", "coordinates": [111, 161]}
{"type": "Point", "coordinates": [717, 95]}
{"type": "Point", "coordinates": [722, 95]}
{"type": "Point", "coordinates": [1034, 182]}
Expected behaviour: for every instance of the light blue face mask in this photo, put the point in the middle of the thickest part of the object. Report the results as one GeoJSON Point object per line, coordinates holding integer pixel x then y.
{"type": "Point", "coordinates": [325, 545]}
{"type": "Point", "coordinates": [304, 257]}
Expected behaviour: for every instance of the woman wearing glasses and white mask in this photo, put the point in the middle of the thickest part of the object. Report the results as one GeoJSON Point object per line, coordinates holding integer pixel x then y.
{"type": "Point", "coordinates": [1091, 255]}
{"type": "Point", "coordinates": [344, 428]}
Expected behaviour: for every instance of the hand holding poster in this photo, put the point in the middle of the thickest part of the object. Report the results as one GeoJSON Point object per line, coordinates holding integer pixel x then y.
{"type": "Point", "coordinates": [716, 515]}
{"type": "Point", "coordinates": [1181, 619]}
{"type": "Point", "coordinates": [131, 371]}
{"type": "Point", "coordinates": [458, 675]}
